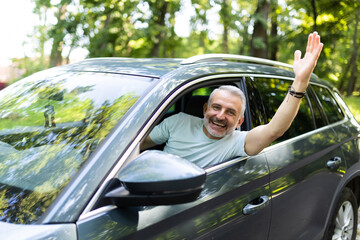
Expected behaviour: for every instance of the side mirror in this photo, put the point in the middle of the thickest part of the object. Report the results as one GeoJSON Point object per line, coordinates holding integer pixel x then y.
{"type": "Point", "coordinates": [158, 178]}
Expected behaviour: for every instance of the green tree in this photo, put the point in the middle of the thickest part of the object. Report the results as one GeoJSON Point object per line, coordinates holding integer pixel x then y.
{"type": "Point", "coordinates": [146, 28]}
{"type": "Point", "coordinates": [161, 25]}
{"type": "Point", "coordinates": [227, 21]}
{"type": "Point", "coordinates": [259, 41]}
{"type": "Point", "coordinates": [65, 27]}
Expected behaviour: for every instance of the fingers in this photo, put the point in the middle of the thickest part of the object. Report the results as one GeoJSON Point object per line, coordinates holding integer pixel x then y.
{"type": "Point", "coordinates": [317, 45]}
{"type": "Point", "coordinates": [313, 47]}
{"type": "Point", "coordinates": [318, 50]}
{"type": "Point", "coordinates": [309, 43]}
{"type": "Point", "coordinates": [314, 44]}
{"type": "Point", "coordinates": [297, 55]}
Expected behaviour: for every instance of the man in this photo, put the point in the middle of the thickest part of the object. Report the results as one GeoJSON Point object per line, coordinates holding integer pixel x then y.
{"type": "Point", "coordinates": [213, 139]}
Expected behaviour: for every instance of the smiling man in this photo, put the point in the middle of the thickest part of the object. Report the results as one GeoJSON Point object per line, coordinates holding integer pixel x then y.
{"type": "Point", "coordinates": [224, 112]}
{"type": "Point", "coordinates": [213, 139]}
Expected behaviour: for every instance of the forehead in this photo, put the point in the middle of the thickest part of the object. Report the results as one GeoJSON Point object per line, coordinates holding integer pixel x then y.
{"type": "Point", "coordinates": [226, 99]}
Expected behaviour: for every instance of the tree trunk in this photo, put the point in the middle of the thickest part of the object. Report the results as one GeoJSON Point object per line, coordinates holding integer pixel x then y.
{"type": "Point", "coordinates": [160, 21]}
{"type": "Point", "coordinates": [103, 45]}
{"type": "Point", "coordinates": [353, 76]}
{"type": "Point", "coordinates": [58, 39]}
{"type": "Point", "coordinates": [225, 40]}
{"type": "Point", "coordinates": [344, 75]}
{"type": "Point", "coordinates": [274, 44]}
{"type": "Point", "coordinates": [313, 5]}
{"type": "Point", "coordinates": [259, 41]}
{"type": "Point", "coordinates": [224, 15]}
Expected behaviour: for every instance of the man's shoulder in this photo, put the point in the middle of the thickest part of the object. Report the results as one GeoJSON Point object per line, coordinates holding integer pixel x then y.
{"type": "Point", "coordinates": [184, 120]}
{"type": "Point", "coordinates": [184, 116]}
{"type": "Point", "coordinates": [239, 134]}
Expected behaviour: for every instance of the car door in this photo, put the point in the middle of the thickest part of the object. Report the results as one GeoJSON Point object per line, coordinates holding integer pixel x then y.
{"type": "Point", "coordinates": [218, 213]}
{"type": "Point", "coordinates": [234, 204]}
{"type": "Point", "coordinates": [302, 181]}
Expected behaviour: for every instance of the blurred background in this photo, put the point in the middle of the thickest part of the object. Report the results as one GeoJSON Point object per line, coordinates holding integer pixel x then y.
{"type": "Point", "coordinates": [39, 34]}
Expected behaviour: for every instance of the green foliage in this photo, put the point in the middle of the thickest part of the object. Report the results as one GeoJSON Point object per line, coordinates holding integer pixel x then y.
{"type": "Point", "coordinates": [29, 66]}
{"type": "Point", "coordinates": [353, 103]}
{"type": "Point", "coordinates": [147, 28]}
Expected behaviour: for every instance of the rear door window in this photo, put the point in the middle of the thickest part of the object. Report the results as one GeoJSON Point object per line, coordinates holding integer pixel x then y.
{"type": "Point", "coordinates": [332, 110]}
{"type": "Point", "coordinates": [319, 118]}
{"type": "Point", "coordinates": [257, 111]}
{"type": "Point", "coordinates": [272, 92]}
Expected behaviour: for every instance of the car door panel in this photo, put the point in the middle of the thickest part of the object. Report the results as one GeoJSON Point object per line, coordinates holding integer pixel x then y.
{"type": "Point", "coordinates": [217, 213]}
{"type": "Point", "coordinates": [303, 186]}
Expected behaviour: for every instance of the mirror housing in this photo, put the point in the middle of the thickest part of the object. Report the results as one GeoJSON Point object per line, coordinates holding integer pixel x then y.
{"type": "Point", "coordinates": [158, 178]}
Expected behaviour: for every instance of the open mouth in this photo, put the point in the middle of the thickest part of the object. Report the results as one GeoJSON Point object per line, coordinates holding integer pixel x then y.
{"type": "Point", "coordinates": [219, 124]}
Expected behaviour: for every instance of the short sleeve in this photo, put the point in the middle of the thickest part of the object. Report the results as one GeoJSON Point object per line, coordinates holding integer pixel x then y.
{"type": "Point", "coordinates": [241, 141]}
{"type": "Point", "coordinates": [161, 133]}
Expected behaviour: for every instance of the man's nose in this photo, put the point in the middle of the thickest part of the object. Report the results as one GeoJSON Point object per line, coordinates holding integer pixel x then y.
{"type": "Point", "coordinates": [221, 114]}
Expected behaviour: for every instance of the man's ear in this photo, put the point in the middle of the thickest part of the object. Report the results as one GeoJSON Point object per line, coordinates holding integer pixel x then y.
{"type": "Point", "coordinates": [241, 120]}
{"type": "Point", "coordinates": [204, 108]}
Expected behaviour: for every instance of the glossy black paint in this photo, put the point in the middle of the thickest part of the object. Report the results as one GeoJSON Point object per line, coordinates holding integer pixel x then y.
{"type": "Point", "coordinates": [288, 191]}
{"type": "Point", "coordinates": [293, 174]}
{"type": "Point", "coordinates": [303, 186]}
{"type": "Point", "coordinates": [157, 178]}
{"type": "Point", "coordinates": [217, 212]}
{"type": "Point", "coordinates": [159, 172]}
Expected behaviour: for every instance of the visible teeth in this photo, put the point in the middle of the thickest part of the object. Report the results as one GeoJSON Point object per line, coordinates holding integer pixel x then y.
{"type": "Point", "coordinates": [219, 124]}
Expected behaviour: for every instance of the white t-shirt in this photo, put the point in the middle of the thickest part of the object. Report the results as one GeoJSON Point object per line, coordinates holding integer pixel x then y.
{"type": "Point", "coordinates": [184, 137]}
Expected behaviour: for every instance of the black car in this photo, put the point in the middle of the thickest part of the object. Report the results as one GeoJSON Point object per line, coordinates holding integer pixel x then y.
{"type": "Point", "coordinates": [71, 165]}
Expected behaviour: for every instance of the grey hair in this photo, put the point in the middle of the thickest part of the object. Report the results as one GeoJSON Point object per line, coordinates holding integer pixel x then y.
{"type": "Point", "coordinates": [235, 91]}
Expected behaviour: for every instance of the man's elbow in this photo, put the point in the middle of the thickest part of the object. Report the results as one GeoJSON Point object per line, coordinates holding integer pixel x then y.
{"type": "Point", "coordinates": [263, 143]}
{"type": "Point", "coordinates": [275, 131]}
{"type": "Point", "coordinates": [276, 134]}
{"type": "Point", "coordinates": [252, 153]}
{"type": "Point", "coordinates": [147, 143]}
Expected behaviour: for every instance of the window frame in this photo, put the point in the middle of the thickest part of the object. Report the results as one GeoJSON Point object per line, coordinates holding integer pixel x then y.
{"type": "Point", "coordinates": [253, 78]}
{"type": "Point", "coordinates": [339, 106]}
{"type": "Point", "coordinates": [134, 149]}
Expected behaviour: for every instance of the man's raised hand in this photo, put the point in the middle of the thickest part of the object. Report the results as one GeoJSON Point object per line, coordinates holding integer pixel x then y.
{"type": "Point", "coordinates": [303, 67]}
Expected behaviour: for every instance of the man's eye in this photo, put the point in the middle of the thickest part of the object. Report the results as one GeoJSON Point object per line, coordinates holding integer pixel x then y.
{"type": "Point", "coordinates": [216, 107]}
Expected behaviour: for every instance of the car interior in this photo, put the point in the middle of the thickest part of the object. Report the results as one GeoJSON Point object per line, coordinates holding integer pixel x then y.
{"type": "Point", "coordinates": [192, 103]}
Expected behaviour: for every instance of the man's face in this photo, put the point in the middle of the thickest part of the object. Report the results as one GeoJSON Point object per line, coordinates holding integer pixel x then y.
{"type": "Point", "coordinates": [222, 115]}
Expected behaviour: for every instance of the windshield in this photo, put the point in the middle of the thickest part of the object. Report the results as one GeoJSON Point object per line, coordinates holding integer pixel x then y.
{"type": "Point", "coordinates": [50, 123]}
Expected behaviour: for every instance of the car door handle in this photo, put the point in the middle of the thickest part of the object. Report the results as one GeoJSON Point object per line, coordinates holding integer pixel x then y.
{"type": "Point", "coordinates": [334, 163]}
{"type": "Point", "coordinates": [255, 205]}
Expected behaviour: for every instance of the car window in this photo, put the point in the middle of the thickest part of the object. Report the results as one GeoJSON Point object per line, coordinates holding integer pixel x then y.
{"type": "Point", "coordinates": [190, 102]}
{"type": "Point", "coordinates": [205, 91]}
{"type": "Point", "coordinates": [318, 116]}
{"type": "Point", "coordinates": [343, 104]}
{"type": "Point", "coordinates": [272, 92]}
{"type": "Point", "coordinates": [49, 126]}
{"type": "Point", "coordinates": [332, 110]}
{"type": "Point", "coordinates": [256, 106]}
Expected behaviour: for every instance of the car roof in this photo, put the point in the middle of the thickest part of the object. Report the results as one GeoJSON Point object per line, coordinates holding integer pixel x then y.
{"type": "Point", "coordinates": [158, 67]}
{"type": "Point", "coordinates": [150, 67]}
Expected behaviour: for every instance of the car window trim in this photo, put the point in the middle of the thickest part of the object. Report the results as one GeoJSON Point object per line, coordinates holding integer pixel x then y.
{"type": "Point", "coordinates": [334, 97]}
{"type": "Point", "coordinates": [311, 109]}
{"type": "Point", "coordinates": [311, 92]}
{"type": "Point", "coordinates": [342, 104]}
{"type": "Point", "coordinates": [254, 78]}
{"type": "Point", "coordinates": [304, 135]}
{"type": "Point", "coordinates": [87, 212]}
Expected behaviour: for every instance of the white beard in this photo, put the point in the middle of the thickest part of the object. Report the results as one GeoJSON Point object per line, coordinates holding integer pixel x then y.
{"type": "Point", "coordinates": [206, 124]}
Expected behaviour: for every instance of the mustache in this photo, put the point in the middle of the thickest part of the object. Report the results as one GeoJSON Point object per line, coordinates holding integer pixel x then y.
{"type": "Point", "coordinates": [218, 121]}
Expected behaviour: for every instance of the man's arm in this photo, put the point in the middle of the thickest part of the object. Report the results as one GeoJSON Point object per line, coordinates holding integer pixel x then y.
{"type": "Point", "coordinates": [260, 137]}
{"type": "Point", "coordinates": [147, 143]}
